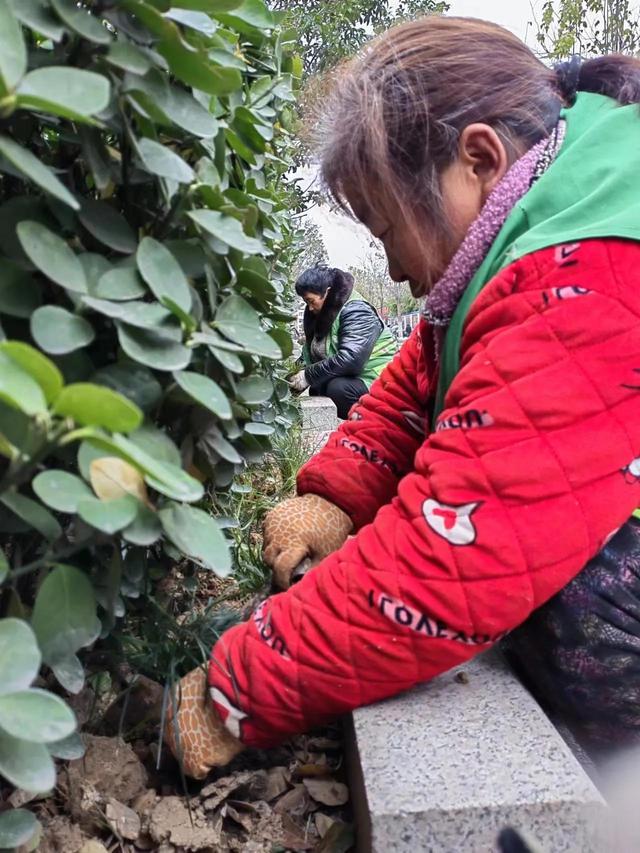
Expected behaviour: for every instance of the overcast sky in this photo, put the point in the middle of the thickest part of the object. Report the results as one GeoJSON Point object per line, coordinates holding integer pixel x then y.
{"type": "Point", "coordinates": [346, 242]}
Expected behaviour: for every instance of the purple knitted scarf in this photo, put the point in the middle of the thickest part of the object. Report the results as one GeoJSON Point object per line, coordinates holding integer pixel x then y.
{"type": "Point", "coordinates": [441, 302]}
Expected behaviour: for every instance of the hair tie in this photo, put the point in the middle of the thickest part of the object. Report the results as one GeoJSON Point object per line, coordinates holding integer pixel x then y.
{"type": "Point", "coordinates": [568, 76]}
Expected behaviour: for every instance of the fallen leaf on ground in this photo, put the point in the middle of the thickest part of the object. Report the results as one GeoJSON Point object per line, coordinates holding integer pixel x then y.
{"type": "Point", "coordinates": [339, 839]}
{"type": "Point", "coordinates": [311, 770]}
{"type": "Point", "coordinates": [295, 802]}
{"type": "Point", "coordinates": [217, 792]}
{"type": "Point", "coordinates": [323, 823]}
{"type": "Point", "coordinates": [327, 791]}
{"type": "Point", "coordinates": [278, 779]}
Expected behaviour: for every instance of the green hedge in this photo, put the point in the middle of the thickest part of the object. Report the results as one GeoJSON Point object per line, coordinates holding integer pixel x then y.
{"type": "Point", "coordinates": [145, 236]}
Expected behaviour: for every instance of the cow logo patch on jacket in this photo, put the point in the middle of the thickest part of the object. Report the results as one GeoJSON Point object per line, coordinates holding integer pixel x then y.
{"type": "Point", "coordinates": [453, 523]}
{"type": "Point", "coordinates": [632, 472]}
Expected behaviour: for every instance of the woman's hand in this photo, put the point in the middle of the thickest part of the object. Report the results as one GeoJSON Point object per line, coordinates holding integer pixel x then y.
{"type": "Point", "coordinates": [298, 382]}
{"type": "Point", "coordinates": [203, 741]}
{"type": "Point", "coordinates": [309, 527]}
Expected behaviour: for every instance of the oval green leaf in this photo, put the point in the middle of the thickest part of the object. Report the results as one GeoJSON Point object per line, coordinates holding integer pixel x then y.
{"type": "Point", "coordinates": [26, 765]}
{"type": "Point", "coordinates": [20, 295]}
{"type": "Point", "coordinates": [19, 389]}
{"type": "Point", "coordinates": [19, 656]}
{"type": "Point", "coordinates": [82, 21]}
{"type": "Point", "coordinates": [120, 284]}
{"type": "Point", "coordinates": [153, 348]}
{"type": "Point", "coordinates": [125, 55]}
{"type": "Point", "coordinates": [36, 15]}
{"type": "Point", "coordinates": [27, 163]}
{"type": "Point", "coordinates": [36, 365]}
{"type": "Point", "coordinates": [33, 514]}
{"type": "Point", "coordinates": [204, 391]}
{"type": "Point", "coordinates": [163, 273]}
{"type": "Point", "coordinates": [68, 748]}
{"type": "Point", "coordinates": [94, 266]}
{"type": "Point", "coordinates": [13, 52]}
{"type": "Point", "coordinates": [70, 674]}
{"type": "Point", "coordinates": [133, 381]}
{"type": "Point", "coordinates": [58, 331]}
{"type": "Point", "coordinates": [236, 319]}
{"type": "Point", "coordinates": [162, 161]}
{"type": "Point", "coordinates": [108, 226]}
{"type": "Point", "coordinates": [17, 826]}
{"type": "Point", "coordinates": [36, 715]}
{"type": "Point", "coordinates": [198, 536]}
{"type": "Point", "coordinates": [60, 490]}
{"type": "Point", "coordinates": [153, 440]}
{"type": "Point", "coordinates": [255, 390]}
{"type": "Point", "coordinates": [52, 256]}
{"type": "Point", "coordinates": [95, 405]}
{"type": "Point", "coordinates": [108, 516]}
{"type": "Point", "coordinates": [68, 92]}
{"type": "Point", "coordinates": [64, 616]}
{"type": "Point", "coordinates": [145, 529]}
{"type": "Point", "coordinates": [228, 230]}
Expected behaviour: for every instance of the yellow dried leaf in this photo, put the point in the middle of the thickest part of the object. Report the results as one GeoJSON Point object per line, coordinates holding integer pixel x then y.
{"type": "Point", "coordinates": [113, 478]}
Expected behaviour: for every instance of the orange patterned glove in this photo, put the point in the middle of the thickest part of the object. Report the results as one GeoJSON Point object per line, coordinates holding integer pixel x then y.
{"type": "Point", "coordinates": [298, 529]}
{"type": "Point", "coordinates": [204, 741]}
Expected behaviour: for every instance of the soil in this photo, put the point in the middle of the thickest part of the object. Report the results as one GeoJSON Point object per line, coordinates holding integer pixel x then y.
{"type": "Point", "coordinates": [130, 797]}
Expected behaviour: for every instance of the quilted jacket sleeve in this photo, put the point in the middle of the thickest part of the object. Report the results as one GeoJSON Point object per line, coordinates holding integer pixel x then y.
{"type": "Point", "coordinates": [362, 463]}
{"type": "Point", "coordinates": [359, 329]}
{"type": "Point", "coordinates": [533, 468]}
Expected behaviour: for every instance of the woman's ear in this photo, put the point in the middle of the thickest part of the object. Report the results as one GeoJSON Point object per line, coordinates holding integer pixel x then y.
{"type": "Point", "coordinates": [483, 156]}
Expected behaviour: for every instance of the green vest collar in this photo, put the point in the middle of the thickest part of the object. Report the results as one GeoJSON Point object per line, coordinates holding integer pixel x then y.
{"type": "Point", "coordinates": [591, 190]}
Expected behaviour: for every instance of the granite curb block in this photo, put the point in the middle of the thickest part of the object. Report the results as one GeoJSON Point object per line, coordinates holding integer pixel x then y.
{"type": "Point", "coordinates": [443, 768]}
{"type": "Point", "coordinates": [319, 420]}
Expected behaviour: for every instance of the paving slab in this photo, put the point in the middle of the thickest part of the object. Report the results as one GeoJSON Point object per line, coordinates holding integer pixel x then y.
{"type": "Point", "coordinates": [443, 768]}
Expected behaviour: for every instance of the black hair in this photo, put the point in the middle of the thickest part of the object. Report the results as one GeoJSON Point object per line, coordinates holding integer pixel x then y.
{"type": "Point", "coordinates": [320, 278]}
{"type": "Point", "coordinates": [615, 75]}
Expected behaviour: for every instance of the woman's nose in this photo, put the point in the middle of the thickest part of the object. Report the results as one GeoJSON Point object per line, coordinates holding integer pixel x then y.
{"type": "Point", "coordinates": [396, 272]}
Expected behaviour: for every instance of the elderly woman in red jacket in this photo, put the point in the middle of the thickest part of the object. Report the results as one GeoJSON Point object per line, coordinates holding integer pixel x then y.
{"type": "Point", "coordinates": [497, 458]}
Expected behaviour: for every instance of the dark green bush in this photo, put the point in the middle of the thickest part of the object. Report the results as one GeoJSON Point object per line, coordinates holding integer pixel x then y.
{"type": "Point", "coordinates": [145, 235]}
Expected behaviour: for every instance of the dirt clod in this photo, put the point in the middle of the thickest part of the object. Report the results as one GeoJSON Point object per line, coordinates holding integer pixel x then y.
{"type": "Point", "coordinates": [61, 835]}
{"type": "Point", "coordinates": [124, 822]}
{"type": "Point", "coordinates": [109, 770]}
{"type": "Point", "coordinates": [171, 822]}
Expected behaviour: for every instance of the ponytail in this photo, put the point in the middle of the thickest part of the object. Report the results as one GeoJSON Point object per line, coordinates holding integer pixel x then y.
{"type": "Point", "coordinates": [615, 75]}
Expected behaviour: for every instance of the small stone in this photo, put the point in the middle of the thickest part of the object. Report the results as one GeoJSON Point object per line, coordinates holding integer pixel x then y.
{"type": "Point", "coordinates": [93, 846]}
{"type": "Point", "coordinates": [124, 822]}
{"type": "Point", "coordinates": [144, 803]}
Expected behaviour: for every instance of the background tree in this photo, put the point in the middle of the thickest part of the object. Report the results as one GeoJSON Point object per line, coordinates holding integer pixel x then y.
{"type": "Point", "coordinates": [588, 28]}
{"type": "Point", "coordinates": [372, 281]}
{"type": "Point", "coordinates": [311, 248]}
{"type": "Point", "coordinates": [329, 30]}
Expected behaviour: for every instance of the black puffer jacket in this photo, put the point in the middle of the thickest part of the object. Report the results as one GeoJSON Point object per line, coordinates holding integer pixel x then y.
{"type": "Point", "coordinates": [359, 329]}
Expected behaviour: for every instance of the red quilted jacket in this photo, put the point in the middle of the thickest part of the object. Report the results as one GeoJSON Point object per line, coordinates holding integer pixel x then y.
{"type": "Point", "coordinates": [462, 532]}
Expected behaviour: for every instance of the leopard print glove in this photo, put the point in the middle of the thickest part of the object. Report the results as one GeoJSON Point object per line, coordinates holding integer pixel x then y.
{"type": "Point", "coordinates": [203, 740]}
{"type": "Point", "coordinates": [305, 528]}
